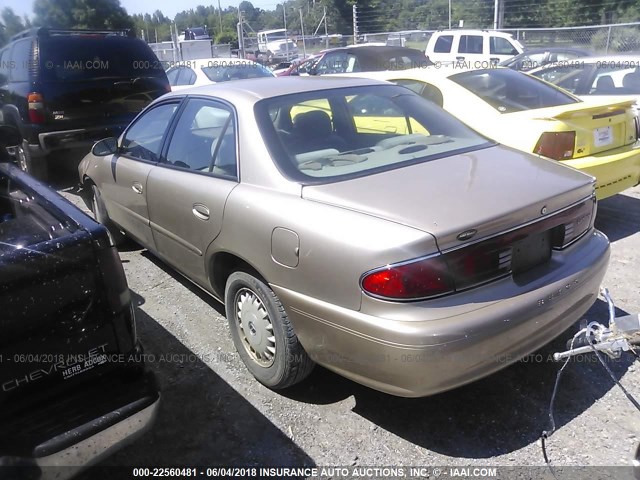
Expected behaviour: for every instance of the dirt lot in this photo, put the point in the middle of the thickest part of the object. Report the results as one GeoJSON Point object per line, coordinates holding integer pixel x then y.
{"type": "Point", "coordinates": [215, 413]}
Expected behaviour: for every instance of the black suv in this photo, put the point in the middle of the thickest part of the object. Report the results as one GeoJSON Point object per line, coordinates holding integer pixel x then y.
{"type": "Point", "coordinates": [73, 387]}
{"type": "Point", "coordinates": [65, 89]}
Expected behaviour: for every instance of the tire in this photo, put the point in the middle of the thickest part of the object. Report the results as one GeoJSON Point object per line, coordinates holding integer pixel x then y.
{"type": "Point", "coordinates": [100, 213]}
{"type": "Point", "coordinates": [36, 167]}
{"type": "Point", "coordinates": [278, 360]}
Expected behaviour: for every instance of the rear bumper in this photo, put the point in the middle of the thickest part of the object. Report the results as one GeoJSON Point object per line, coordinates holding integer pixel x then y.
{"type": "Point", "coordinates": [422, 348]}
{"type": "Point", "coordinates": [615, 170]}
{"type": "Point", "coordinates": [84, 138]}
{"type": "Point", "coordinates": [68, 434]}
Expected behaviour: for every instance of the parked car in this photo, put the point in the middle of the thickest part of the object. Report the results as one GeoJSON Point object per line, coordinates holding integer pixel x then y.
{"type": "Point", "coordinates": [299, 66]}
{"type": "Point", "coordinates": [520, 111]}
{"type": "Point", "coordinates": [538, 57]}
{"type": "Point", "coordinates": [73, 384]}
{"type": "Point", "coordinates": [193, 73]}
{"type": "Point", "coordinates": [65, 89]}
{"type": "Point", "coordinates": [595, 77]}
{"type": "Point", "coordinates": [354, 224]}
{"type": "Point", "coordinates": [366, 58]}
{"type": "Point", "coordinates": [473, 48]}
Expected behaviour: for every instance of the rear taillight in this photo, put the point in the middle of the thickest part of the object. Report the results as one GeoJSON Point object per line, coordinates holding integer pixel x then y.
{"type": "Point", "coordinates": [477, 263]}
{"type": "Point", "coordinates": [556, 145]}
{"type": "Point", "coordinates": [423, 278]}
{"type": "Point", "coordinates": [36, 108]}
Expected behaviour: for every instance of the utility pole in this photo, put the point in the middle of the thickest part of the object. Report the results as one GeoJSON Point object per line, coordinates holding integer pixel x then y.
{"type": "Point", "coordinates": [496, 8]}
{"type": "Point", "coordinates": [355, 24]}
{"type": "Point", "coordinates": [326, 34]}
{"type": "Point", "coordinates": [449, 14]}
{"type": "Point", "coordinates": [304, 46]}
{"type": "Point", "coordinates": [220, 15]}
{"type": "Point", "coordinates": [240, 29]}
{"type": "Point", "coordinates": [286, 35]}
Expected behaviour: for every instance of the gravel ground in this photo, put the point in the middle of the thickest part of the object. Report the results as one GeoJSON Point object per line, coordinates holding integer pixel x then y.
{"type": "Point", "coordinates": [214, 412]}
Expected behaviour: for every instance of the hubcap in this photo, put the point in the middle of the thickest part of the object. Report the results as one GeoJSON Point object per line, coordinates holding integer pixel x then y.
{"type": "Point", "coordinates": [255, 328]}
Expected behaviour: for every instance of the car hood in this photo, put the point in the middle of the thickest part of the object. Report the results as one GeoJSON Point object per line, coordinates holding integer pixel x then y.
{"type": "Point", "coordinates": [489, 190]}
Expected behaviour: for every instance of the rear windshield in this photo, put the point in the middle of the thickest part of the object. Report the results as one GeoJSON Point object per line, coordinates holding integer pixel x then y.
{"type": "Point", "coordinates": [335, 134]}
{"type": "Point", "coordinates": [222, 71]}
{"type": "Point", "coordinates": [510, 91]}
{"type": "Point", "coordinates": [78, 57]}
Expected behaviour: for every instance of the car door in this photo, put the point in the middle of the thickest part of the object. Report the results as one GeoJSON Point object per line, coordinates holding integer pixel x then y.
{"type": "Point", "coordinates": [188, 189]}
{"type": "Point", "coordinates": [471, 49]}
{"type": "Point", "coordinates": [123, 187]}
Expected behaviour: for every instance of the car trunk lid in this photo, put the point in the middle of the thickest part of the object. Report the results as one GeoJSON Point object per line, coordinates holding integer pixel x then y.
{"type": "Point", "coordinates": [600, 126]}
{"type": "Point", "coordinates": [486, 191]}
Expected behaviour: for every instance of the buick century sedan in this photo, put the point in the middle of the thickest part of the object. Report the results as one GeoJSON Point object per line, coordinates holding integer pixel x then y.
{"type": "Point", "coordinates": [401, 250]}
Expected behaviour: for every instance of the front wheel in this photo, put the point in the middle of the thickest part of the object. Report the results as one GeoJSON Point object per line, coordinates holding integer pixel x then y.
{"type": "Point", "coordinates": [263, 334]}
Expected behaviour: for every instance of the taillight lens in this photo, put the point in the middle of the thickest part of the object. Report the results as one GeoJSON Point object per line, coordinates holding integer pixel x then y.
{"type": "Point", "coordinates": [422, 278]}
{"type": "Point", "coordinates": [36, 108]}
{"type": "Point", "coordinates": [468, 266]}
{"type": "Point", "coordinates": [556, 145]}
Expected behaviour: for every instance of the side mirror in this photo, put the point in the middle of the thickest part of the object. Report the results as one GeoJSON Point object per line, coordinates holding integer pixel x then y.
{"type": "Point", "coordinates": [104, 147]}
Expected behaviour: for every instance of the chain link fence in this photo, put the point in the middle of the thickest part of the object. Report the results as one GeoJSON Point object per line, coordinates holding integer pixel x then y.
{"type": "Point", "coordinates": [605, 39]}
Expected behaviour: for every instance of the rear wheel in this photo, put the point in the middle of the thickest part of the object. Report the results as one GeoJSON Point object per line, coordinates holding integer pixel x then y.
{"type": "Point", "coordinates": [36, 167]}
{"type": "Point", "coordinates": [263, 334]}
{"type": "Point", "coordinates": [101, 215]}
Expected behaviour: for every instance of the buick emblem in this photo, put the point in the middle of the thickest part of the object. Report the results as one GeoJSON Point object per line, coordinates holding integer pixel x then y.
{"type": "Point", "coordinates": [467, 234]}
{"type": "Point", "coordinates": [544, 210]}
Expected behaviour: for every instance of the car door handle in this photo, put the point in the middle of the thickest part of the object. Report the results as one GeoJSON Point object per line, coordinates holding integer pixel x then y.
{"type": "Point", "coordinates": [137, 187]}
{"type": "Point", "coordinates": [200, 211]}
{"type": "Point", "coordinates": [494, 59]}
{"type": "Point", "coordinates": [459, 59]}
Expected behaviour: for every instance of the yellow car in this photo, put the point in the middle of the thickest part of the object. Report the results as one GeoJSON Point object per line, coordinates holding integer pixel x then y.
{"type": "Point", "coordinates": [520, 111]}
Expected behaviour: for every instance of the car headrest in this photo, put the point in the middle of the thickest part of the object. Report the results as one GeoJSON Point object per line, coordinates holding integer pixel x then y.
{"type": "Point", "coordinates": [632, 81]}
{"type": "Point", "coordinates": [314, 124]}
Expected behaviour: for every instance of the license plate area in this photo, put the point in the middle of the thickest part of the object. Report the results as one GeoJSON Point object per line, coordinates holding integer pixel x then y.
{"type": "Point", "coordinates": [530, 252]}
{"type": "Point", "coordinates": [603, 136]}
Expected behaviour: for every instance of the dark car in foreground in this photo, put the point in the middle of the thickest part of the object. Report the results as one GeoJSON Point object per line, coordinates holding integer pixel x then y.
{"type": "Point", "coordinates": [65, 89]}
{"type": "Point", "coordinates": [73, 386]}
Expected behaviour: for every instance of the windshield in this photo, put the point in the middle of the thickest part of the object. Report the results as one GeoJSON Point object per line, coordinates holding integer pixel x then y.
{"type": "Point", "coordinates": [223, 71]}
{"type": "Point", "coordinates": [510, 91]}
{"type": "Point", "coordinates": [340, 133]}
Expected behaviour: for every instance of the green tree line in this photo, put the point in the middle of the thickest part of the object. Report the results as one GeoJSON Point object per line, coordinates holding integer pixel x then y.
{"type": "Point", "coordinates": [373, 16]}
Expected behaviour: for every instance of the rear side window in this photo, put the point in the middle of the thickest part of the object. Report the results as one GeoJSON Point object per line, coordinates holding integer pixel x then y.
{"type": "Point", "coordinates": [501, 46]}
{"type": "Point", "coordinates": [470, 44]}
{"type": "Point", "coordinates": [443, 44]}
{"type": "Point", "coordinates": [5, 66]}
{"type": "Point", "coordinates": [510, 91]}
{"type": "Point", "coordinates": [77, 58]}
{"type": "Point", "coordinates": [425, 90]}
{"type": "Point", "coordinates": [20, 57]}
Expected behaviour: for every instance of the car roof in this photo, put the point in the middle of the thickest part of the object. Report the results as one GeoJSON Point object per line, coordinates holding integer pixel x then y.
{"type": "Point", "coordinates": [371, 49]}
{"type": "Point", "coordinates": [556, 49]}
{"type": "Point", "coordinates": [476, 31]}
{"type": "Point", "coordinates": [635, 58]}
{"type": "Point", "coordinates": [255, 89]}
{"type": "Point", "coordinates": [215, 61]}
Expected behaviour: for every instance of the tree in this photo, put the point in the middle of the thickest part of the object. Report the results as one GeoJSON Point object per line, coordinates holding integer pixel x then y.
{"type": "Point", "coordinates": [81, 14]}
{"type": "Point", "coordinates": [10, 25]}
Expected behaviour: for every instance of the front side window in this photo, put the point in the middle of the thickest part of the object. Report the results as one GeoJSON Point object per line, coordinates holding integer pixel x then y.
{"type": "Point", "coordinates": [204, 139]}
{"type": "Point", "coordinates": [509, 91]}
{"type": "Point", "coordinates": [329, 135]}
{"type": "Point", "coordinates": [187, 76]}
{"type": "Point", "coordinates": [143, 139]}
{"type": "Point", "coordinates": [443, 44]}
{"type": "Point", "coordinates": [501, 46]}
{"type": "Point", "coordinates": [332, 63]}
{"type": "Point", "coordinates": [470, 44]}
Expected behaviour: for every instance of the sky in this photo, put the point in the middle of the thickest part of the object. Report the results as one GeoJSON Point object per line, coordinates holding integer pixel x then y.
{"type": "Point", "coordinates": [168, 7]}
